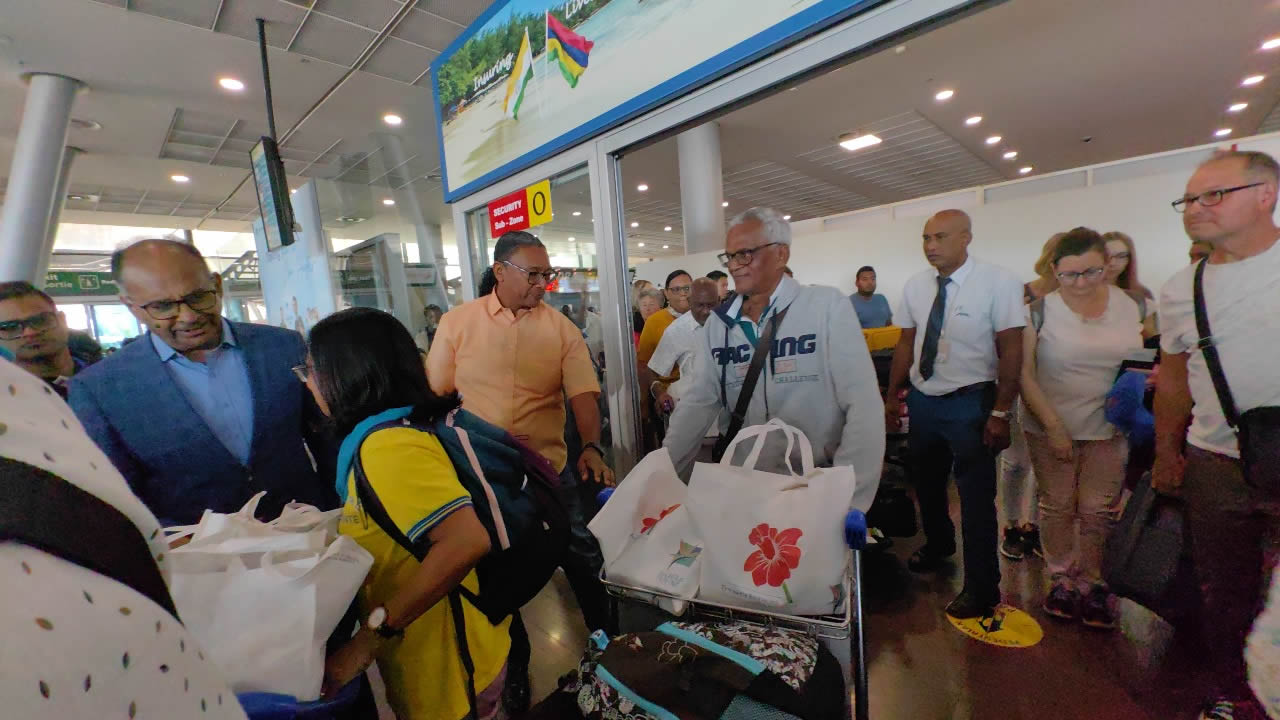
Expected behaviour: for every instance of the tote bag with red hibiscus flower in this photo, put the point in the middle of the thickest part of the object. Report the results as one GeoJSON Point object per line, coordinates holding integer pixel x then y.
{"type": "Point", "coordinates": [773, 542]}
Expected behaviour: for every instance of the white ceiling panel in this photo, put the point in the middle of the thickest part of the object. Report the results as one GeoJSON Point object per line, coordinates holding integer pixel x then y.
{"type": "Point", "coordinates": [400, 60]}
{"type": "Point", "coordinates": [334, 41]}
{"type": "Point", "coordinates": [371, 14]}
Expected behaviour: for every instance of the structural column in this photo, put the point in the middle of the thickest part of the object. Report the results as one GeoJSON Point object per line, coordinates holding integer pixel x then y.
{"type": "Point", "coordinates": [34, 174]}
{"type": "Point", "coordinates": [701, 188]}
{"type": "Point", "coordinates": [55, 211]}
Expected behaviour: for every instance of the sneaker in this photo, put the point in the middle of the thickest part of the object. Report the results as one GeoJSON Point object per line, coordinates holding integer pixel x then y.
{"type": "Point", "coordinates": [1224, 709]}
{"type": "Point", "coordinates": [1031, 541]}
{"type": "Point", "coordinates": [1063, 602]}
{"type": "Point", "coordinates": [1098, 610]}
{"type": "Point", "coordinates": [1014, 542]}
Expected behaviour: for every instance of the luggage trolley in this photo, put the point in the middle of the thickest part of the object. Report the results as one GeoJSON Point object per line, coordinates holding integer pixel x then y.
{"type": "Point", "coordinates": [827, 629]}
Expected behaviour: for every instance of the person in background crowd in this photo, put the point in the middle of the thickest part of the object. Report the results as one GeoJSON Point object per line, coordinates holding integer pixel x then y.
{"type": "Point", "coordinates": [62, 648]}
{"type": "Point", "coordinates": [1089, 327]}
{"type": "Point", "coordinates": [675, 353]}
{"type": "Point", "coordinates": [1199, 250]}
{"type": "Point", "coordinates": [203, 414]}
{"type": "Point", "coordinates": [1015, 480]}
{"type": "Point", "coordinates": [820, 379]}
{"type": "Point", "coordinates": [83, 346]}
{"type": "Point", "coordinates": [362, 363]}
{"type": "Point", "coordinates": [872, 308]}
{"type": "Point", "coordinates": [1229, 202]}
{"type": "Point", "coordinates": [515, 359]}
{"type": "Point", "coordinates": [721, 279]}
{"type": "Point", "coordinates": [593, 333]}
{"type": "Point", "coordinates": [637, 318]}
{"type": "Point", "coordinates": [963, 371]}
{"type": "Point", "coordinates": [35, 332]}
{"type": "Point", "coordinates": [679, 284]}
{"type": "Point", "coordinates": [1122, 271]}
{"type": "Point", "coordinates": [431, 315]}
{"type": "Point", "coordinates": [651, 301]}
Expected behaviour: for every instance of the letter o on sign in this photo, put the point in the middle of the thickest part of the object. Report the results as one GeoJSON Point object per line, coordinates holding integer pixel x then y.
{"type": "Point", "coordinates": [538, 202]}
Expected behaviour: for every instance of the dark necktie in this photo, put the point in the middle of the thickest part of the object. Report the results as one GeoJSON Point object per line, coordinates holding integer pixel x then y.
{"type": "Point", "coordinates": [933, 332]}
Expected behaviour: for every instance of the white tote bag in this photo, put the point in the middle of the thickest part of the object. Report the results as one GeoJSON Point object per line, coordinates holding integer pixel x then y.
{"type": "Point", "coordinates": [263, 601]}
{"type": "Point", "coordinates": [644, 530]}
{"type": "Point", "coordinates": [773, 542]}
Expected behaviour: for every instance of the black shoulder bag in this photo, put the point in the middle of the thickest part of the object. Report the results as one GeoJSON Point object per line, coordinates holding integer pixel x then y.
{"type": "Point", "coordinates": [761, 353]}
{"type": "Point", "coordinates": [1258, 429]}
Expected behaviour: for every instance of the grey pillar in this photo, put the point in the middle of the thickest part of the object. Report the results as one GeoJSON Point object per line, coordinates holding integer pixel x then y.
{"type": "Point", "coordinates": [701, 188]}
{"type": "Point", "coordinates": [430, 244]}
{"type": "Point", "coordinates": [55, 211]}
{"type": "Point", "coordinates": [33, 175]}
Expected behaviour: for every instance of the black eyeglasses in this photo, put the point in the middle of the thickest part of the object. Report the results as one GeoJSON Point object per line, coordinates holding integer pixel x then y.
{"type": "Point", "coordinates": [743, 257]}
{"type": "Point", "coordinates": [200, 301]}
{"type": "Point", "coordinates": [13, 329]}
{"type": "Point", "coordinates": [547, 276]}
{"type": "Point", "coordinates": [680, 290]}
{"type": "Point", "coordinates": [1067, 277]}
{"type": "Point", "coordinates": [302, 372]}
{"type": "Point", "coordinates": [1210, 198]}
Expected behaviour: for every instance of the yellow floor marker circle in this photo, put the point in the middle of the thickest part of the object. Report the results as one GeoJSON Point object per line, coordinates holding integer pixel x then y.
{"type": "Point", "coordinates": [1007, 627]}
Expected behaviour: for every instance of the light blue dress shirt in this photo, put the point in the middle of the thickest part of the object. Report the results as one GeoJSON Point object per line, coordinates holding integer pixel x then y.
{"type": "Point", "coordinates": [218, 389]}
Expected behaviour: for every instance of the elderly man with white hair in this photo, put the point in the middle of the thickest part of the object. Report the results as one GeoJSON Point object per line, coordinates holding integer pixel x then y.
{"type": "Point", "coordinates": [819, 377]}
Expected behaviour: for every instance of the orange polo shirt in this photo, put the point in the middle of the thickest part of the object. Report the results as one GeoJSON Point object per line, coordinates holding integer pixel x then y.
{"type": "Point", "coordinates": [513, 369]}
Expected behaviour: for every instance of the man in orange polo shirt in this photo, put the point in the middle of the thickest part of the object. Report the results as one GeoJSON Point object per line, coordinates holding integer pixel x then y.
{"type": "Point", "coordinates": [514, 359]}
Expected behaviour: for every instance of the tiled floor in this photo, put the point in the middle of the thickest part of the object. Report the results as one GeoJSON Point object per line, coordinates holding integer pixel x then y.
{"type": "Point", "coordinates": [923, 669]}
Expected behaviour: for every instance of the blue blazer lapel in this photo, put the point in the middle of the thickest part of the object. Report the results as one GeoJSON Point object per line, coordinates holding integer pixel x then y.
{"type": "Point", "coordinates": [258, 359]}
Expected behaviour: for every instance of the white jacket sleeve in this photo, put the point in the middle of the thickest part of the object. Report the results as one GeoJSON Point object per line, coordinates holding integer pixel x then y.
{"type": "Point", "coordinates": [699, 406]}
{"type": "Point", "coordinates": [858, 397]}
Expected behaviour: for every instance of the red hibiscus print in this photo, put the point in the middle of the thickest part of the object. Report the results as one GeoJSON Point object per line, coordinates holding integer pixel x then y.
{"type": "Point", "coordinates": [648, 523]}
{"type": "Point", "coordinates": [777, 556]}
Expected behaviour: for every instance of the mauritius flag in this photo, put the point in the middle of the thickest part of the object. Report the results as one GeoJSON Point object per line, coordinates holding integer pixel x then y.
{"type": "Point", "coordinates": [569, 48]}
{"type": "Point", "coordinates": [521, 75]}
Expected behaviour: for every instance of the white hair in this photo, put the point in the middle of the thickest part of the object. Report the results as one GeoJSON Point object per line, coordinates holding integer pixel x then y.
{"type": "Point", "coordinates": [775, 228]}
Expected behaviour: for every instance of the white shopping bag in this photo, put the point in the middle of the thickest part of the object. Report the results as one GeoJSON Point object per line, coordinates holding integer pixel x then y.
{"type": "Point", "coordinates": [773, 542]}
{"type": "Point", "coordinates": [263, 603]}
{"type": "Point", "coordinates": [1262, 652]}
{"type": "Point", "coordinates": [645, 534]}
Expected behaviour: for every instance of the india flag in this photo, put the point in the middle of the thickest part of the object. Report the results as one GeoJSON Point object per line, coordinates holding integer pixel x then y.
{"type": "Point", "coordinates": [521, 74]}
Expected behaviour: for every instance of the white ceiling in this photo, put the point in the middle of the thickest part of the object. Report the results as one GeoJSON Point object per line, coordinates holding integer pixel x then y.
{"type": "Point", "coordinates": [1137, 76]}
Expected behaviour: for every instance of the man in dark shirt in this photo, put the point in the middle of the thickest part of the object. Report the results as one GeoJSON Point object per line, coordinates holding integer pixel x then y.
{"type": "Point", "coordinates": [36, 334]}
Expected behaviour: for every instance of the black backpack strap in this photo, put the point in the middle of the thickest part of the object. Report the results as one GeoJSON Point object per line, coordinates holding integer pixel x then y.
{"type": "Point", "coordinates": [761, 353]}
{"type": "Point", "coordinates": [372, 505]}
{"type": "Point", "coordinates": [1206, 345]}
{"type": "Point", "coordinates": [1036, 309]}
{"type": "Point", "coordinates": [44, 511]}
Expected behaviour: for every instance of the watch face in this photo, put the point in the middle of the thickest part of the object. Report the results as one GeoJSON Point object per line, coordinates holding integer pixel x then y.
{"type": "Point", "coordinates": [377, 618]}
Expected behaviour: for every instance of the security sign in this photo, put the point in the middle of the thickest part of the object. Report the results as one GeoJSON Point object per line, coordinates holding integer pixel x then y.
{"type": "Point", "coordinates": [521, 209]}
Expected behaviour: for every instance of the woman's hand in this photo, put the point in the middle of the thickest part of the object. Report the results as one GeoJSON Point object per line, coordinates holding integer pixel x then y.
{"type": "Point", "coordinates": [1060, 443]}
{"type": "Point", "coordinates": [345, 665]}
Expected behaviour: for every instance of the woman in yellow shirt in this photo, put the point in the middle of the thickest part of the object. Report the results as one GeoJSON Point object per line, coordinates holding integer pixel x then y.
{"type": "Point", "coordinates": [364, 369]}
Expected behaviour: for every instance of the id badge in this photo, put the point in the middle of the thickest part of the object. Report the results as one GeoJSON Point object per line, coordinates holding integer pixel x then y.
{"type": "Point", "coordinates": [944, 351]}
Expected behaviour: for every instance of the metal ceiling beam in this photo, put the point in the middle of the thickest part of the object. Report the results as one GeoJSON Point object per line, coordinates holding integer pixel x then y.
{"type": "Point", "coordinates": [178, 207]}
{"type": "Point", "coordinates": [361, 60]}
{"type": "Point", "coordinates": [391, 170]}
{"type": "Point", "coordinates": [296, 33]}
{"type": "Point", "coordinates": [317, 158]}
{"type": "Point", "coordinates": [140, 201]}
{"type": "Point", "coordinates": [224, 140]}
{"type": "Point", "coordinates": [424, 74]}
{"type": "Point", "coordinates": [217, 16]}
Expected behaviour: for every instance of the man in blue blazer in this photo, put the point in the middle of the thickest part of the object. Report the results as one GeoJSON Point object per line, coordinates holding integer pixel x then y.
{"type": "Point", "coordinates": [201, 413]}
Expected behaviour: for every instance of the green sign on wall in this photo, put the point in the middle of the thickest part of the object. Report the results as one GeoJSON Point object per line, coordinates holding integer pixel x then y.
{"type": "Point", "coordinates": [69, 283]}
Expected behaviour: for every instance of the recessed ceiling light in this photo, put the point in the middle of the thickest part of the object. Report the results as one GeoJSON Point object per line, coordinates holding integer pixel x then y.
{"type": "Point", "coordinates": [83, 124]}
{"type": "Point", "coordinates": [639, 244]}
{"type": "Point", "coordinates": [994, 139]}
{"type": "Point", "coordinates": [1253, 80]}
{"type": "Point", "coordinates": [179, 178]}
{"type": "Point", "coordinates": [572, 239]}
{"type": "Point", "coordinates": [973, 120]}
{"type": "Point", "coordinates": [388, 202]}
{"type": "Point", "coordinates": [1011, 155]}
{"type": "Point", "coordinates": [230, 83]}
{"type": "Point", "coordinates": [1271, 44]}
{"type": "Point", "coordinates": [635, 224]}
{"type": "Point", "coordinates": [666, 229]}
{"type": "Point", "coordinates": [576, 213]}
{"type": "Point", "coordinates": [666, 247]}
{"type": "Point", "coordinates": [1026, 170]}
{"type": "Point", "coordinates": [1237, 107]}
{"type": "Point", "coordinates": [944, 95]}
{"type": "Point", "coordinates": [392, 119]}
{"type": "Point", "coordinates": [857, 142]}
{"type": "Point", "coordinates": [293, 191]}
{"type": "Point", "coordinates": [1222, 132]}
{"type": "Point", "coordinates": [786, 217]}
{"type": "Point", "coordinates": [642, 187]}
{"type": "Point", "coordinates": [724, 204]}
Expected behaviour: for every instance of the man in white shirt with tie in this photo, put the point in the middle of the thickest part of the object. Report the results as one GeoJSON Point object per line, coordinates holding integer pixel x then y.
{"type": "Point", "coordinates": [963, 368]}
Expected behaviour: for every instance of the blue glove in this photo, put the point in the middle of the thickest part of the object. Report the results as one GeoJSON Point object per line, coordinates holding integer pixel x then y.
{"type": "Point", "coordinates": [1125, 410]}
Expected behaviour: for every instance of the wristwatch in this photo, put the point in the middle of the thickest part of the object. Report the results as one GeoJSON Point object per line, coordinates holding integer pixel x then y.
{"type": "Point", "coordinates": [377, 622]}
{"type": "Point", "coordinates": [1002, 414]}
{"type": "Point", "coordinates": [593, 446]}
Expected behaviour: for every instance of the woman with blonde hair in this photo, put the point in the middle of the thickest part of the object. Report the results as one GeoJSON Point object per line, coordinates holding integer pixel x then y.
{"type": "Point", "coordinates": [1122, 271]}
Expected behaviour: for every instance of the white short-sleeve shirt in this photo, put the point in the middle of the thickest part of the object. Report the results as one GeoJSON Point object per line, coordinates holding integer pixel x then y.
{"type": "Point", "coordinates": [1243, 300]}
{"type": "Point", "coordinates": [1077, 361]}
{"type": "Point", "coordinates": [981, 300]}
{"type": "Point", "coordinates": [676, 351]}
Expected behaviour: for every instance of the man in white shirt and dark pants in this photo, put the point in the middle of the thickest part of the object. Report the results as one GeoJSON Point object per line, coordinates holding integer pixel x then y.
{"type": "Point", "coordinates": [962, 343]}
{"type": "Point", "coordinates": [1235, 532]}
